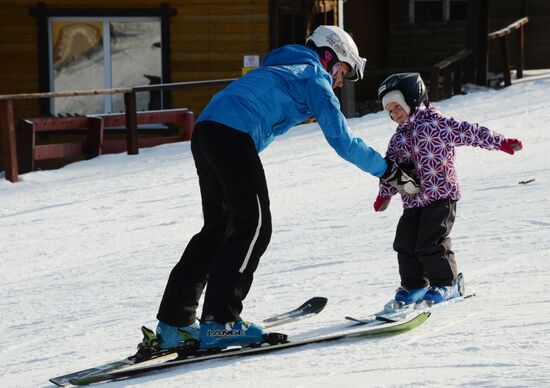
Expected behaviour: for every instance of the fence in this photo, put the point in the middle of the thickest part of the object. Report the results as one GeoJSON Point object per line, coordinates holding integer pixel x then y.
{"type": "Point", "coordinates": [7, 120]}
{"type": "Point", "coordinates": [452, 69]}
{"type": "Point", "coordinates": [502, 35]}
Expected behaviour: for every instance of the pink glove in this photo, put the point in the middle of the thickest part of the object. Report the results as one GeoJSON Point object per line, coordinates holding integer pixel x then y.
{"type": "Point", "coordinates": [510, 146]}
{"type": "Point", "coordinates": [381, 203]}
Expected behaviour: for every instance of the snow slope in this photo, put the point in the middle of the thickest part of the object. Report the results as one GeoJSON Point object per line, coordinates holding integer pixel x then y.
{"type": "Point", "coordinates": [86, 251]}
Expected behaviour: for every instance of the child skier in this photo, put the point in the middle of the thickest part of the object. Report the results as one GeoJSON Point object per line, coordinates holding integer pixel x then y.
{"type": "Point", "coordinates": [425, 141]}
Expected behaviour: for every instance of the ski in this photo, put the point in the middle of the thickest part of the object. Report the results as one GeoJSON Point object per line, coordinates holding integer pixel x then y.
{"type": "Point", "coordinates": [396, 315]}
{"type": "Point", "coordinates": [308, 309]}
{"type": "Point", "coordinates": [380, 329]}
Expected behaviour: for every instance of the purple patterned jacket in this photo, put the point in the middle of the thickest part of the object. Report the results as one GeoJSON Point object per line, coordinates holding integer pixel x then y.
{"type": "Point", "coordinates": [427, 140]}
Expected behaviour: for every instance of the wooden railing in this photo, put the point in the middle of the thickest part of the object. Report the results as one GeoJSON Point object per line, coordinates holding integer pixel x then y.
{"type": "Point", "coordinates": [452, 69]}
{"type": "Point", "coordinates": [502, 35]}
{"type": "Point", "coordinates": [94, 142]}
{"type": "Point", "coordinates": [7, 120]}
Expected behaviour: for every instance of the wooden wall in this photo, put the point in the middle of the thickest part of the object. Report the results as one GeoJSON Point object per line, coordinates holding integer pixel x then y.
{"type": "Point", "coordinates": [537, 32]}
{"type": "Point", "coordinates": [427, 43]}
{"type": "Point", "coordinates": [18, 53]}
{"type": "Point", "coordinates": [420, 44]}
{"type": "Point", "coordinates": [537, 50]}
{"type": "Point", "coordinates": [371, 37]}
{"type": "Point", "coordinates": [208, 41]}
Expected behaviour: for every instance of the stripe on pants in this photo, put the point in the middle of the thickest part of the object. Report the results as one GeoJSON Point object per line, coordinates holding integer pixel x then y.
{"type": "Point", "coordinates": [249, 253]}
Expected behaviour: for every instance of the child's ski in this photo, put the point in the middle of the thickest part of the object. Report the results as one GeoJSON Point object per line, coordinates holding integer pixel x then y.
{"type": "Point", "coordinates": [396, 315]}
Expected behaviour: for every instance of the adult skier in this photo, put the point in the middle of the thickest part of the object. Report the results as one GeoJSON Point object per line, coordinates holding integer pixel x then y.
{"type": "Point", "coordinates": [294, 83]}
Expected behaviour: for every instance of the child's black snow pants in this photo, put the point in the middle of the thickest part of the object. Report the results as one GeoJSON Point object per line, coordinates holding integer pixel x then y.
{"type": "Point", "coordinates": [236, 231]}
{"type": "Point", "coordinates": [423, 245]}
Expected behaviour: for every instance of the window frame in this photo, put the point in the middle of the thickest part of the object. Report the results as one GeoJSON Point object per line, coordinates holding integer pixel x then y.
{"type": "Point", "coordinates": [45, 15]}
{"type": "Point", "coordinates": [446, 9]}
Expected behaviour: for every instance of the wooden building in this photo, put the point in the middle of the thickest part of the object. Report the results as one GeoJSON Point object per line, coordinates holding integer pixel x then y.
{"type": "Point", "coordinates": [58, 45]}
{"type": "Point", "coordinates": [415, 34]}
{"type": "Point", "coordinates": [187, 40]}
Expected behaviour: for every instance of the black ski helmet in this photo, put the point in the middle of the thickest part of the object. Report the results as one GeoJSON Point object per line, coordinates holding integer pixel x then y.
{"type": "Point", "coordinates": [410, 84]}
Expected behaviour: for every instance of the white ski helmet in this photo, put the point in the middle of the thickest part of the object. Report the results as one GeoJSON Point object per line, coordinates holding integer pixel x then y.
{"type": "Point", "coordinates": [343, 46]}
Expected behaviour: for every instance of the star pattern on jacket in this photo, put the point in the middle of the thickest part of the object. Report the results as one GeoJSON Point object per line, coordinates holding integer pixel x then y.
{"type": "Point", "coordinates": [427, 141]}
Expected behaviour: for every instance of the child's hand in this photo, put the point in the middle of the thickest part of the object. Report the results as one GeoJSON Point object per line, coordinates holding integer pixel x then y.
{"type": "Point", "coordinates": [510, 146]}
{"type": "Point", "coordinates": [381, 203]}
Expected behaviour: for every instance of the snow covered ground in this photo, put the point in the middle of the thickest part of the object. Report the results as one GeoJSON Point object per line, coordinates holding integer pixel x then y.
{"type": "Point", "coordinates": [86, 251]}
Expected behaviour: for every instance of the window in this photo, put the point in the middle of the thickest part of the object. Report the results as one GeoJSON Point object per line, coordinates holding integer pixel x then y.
{"type": "Point", "coordinates": [85, 49]}
{"type": "Point", "coordinates": [103, 53]}
{"type": "Point", "coordinates": [426, 11]}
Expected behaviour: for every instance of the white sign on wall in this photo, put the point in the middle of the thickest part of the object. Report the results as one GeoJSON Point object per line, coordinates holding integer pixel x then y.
{"type": "Point", "coordinates": [251, 61]}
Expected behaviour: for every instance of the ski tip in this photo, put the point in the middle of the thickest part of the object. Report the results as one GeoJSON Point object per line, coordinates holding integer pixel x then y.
{"type": "Point", "coordinates": [318, 300]}
{"type": "Point", "coordinates": [56, 382]}
{"type": "Point", "coordinates": [352, 319]}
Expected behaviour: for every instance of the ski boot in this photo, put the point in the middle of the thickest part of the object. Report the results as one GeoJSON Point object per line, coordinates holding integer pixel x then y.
{"type": "Point", "coordinates": [215, 336]}
{"type": "Point", "coordinates": [169, 336]}
{"type": "Point", "coordinates": [150, 346]}
{"type": "Point", "coordinates": [403, 297]}
{"type": "Point", "coordinates": [438, 294]}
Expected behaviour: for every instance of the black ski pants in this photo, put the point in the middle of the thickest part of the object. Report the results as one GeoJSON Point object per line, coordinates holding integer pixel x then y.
{"type": "Point", "coordinates": [237, 229]}
{"type": "Point", "coordinates": [423, 245]}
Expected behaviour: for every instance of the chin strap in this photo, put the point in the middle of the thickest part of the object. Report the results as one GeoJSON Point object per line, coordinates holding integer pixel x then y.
{"type": "Point", "coordinates": [334, 71]}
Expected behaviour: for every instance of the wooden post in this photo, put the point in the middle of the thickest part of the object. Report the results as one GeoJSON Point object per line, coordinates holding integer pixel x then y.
{"type": "Point", "coordinates": [505, 60]}
{"type": "Point", "coordinates": [457, 78]}
{"type": "Point", "coordinates": [131, 123]}
{"type": "Point", "coordinates": [472, 39]}
{"type": "Point", "coordinates": [433, 92]}
{"type": "Point", "coordinates": [94, 137]}
{"type": "Point", "coordinates": [26, 138]}
{"type": "Point", "coordinates": [9, 147]}
{"type": "Point", "coordinates": [188, 125]}
{"type": "Point", "coordinates": [482, 49]}
{"type": "Point", "coordinates": [521, 52]}
{"type": "Point", "coordinates": [447, 82]}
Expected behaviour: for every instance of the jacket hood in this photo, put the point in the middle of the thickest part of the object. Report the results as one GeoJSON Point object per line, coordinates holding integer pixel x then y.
{"type": "Point", "coordinates": [292, 54]}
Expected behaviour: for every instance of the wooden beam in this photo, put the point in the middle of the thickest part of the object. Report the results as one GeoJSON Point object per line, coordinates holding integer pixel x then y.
{"type": "Point", "coordinates": [483, 46]}
{"type": "Point", "coordinates": [131, 123]}
{"type": "Point", "coordinates": [55, 151]}
{"type": "Point", "coordinates": [521, 53]}
{"type": "Point", "coordinates": [505, 60]}
{"type": "Point", "coordinates": [9, 147]}
{"type": "Point", "coordinates": [518, 24]}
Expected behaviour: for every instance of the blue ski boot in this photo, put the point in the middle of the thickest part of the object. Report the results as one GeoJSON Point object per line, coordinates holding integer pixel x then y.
{"type": "Point", "coordinates": [169, 336]}
{"type": "Point", "coordinates": [438, 294]}
{"type": "Point", "coordinates": [405, 296]}
{"type": "Point", "coordinates": [215, 335]}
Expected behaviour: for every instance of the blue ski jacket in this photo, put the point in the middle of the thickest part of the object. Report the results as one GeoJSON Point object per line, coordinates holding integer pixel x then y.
{"type": "Point", "coordinates": [289, 87]}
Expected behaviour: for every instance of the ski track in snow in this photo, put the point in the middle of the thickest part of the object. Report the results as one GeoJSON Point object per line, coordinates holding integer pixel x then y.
{"type": "Point", "coordinates": [87, 250]}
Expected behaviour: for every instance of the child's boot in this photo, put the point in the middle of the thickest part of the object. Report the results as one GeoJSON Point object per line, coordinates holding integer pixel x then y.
{"type": "Point", "coordinates": [438, 294]}
{"type": "Point", "coordinates": [405, 296]}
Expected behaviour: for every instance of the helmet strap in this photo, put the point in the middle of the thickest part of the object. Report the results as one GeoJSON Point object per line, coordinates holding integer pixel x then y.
{"type": "Point", "coordinates": [334, 71]}
{"type": "Point", "coordinates": [327, 55]}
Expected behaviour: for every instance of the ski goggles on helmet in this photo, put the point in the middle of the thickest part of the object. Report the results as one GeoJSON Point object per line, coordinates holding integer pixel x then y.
{"type": "Point", "coordinates": [357, 69]}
